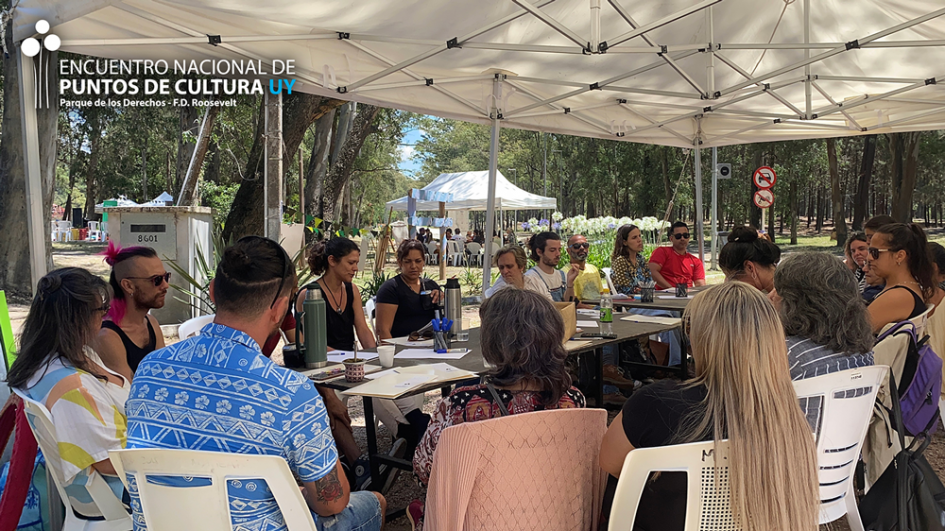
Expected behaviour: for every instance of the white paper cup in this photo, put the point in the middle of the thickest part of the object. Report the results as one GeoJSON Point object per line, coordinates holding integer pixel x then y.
{"type": "Point", "coordinates": [385, 354]}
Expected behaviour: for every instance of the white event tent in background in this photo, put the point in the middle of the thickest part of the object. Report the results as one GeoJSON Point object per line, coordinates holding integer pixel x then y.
{"type": "Point", "coordinates": [688, 73]}
{"type": "Point", "coordinates": [469, 193]}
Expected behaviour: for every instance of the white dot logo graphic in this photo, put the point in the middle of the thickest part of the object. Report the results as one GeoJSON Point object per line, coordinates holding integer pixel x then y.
{"type": "Point", "coordinates": [31, 46]}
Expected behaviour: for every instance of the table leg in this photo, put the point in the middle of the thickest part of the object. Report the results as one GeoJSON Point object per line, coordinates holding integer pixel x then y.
{"type": "Point", "coordinates": [371, 439]}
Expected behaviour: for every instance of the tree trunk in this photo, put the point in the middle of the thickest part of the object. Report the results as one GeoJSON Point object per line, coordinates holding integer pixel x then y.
{"type": "Point", "coordinates": [185, 148]}
{"type": "Point", "coordinates": [95, 142]}
{"type": "Point", "coordinates": [861, 199]}
{"type": "Point", "coordinates": [299, 110]}
{"type": "Point", "coordinates": [343, 164]}
{"type": "Point", "coordinates": [793, 199]}
{"type": "Point", "coordinates": [664, 164]}
{"type": "Point", "coordinates": [904, 149]}
{"type": "Point", "coordinates": [839, 219]}
{"type": "Point", "coordinates": [15, 276]}
{"type": "Point", "coordinates": [754, 213]}
{"type": "Point", "coordinates": [212, 173]}
{"type": "Point", "coordinates": [188, 192]}
{"type": "Point", "coordinates": [318, 164]}
{"type": "Point", "coordinates": [144, 171]}
{"type": "Point", "coordinates": [819, 224]}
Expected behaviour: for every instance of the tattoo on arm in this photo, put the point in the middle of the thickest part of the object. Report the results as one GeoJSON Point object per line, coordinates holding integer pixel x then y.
{"type": "Point", "coordinates": [328, 489]}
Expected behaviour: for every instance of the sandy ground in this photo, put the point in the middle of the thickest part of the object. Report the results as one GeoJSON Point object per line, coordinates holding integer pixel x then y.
{"type": "Point", "coordinates": [405, 488]}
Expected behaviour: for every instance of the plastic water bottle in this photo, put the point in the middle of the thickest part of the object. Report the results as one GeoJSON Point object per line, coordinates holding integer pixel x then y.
{"type": "Point", "coordinates": [606, 312]}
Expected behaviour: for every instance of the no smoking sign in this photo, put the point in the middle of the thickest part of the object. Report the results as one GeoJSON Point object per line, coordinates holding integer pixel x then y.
{"type": "Point", "coordinates": [764, 177]}
{"type": "Point", "coordinates": [764, 199]}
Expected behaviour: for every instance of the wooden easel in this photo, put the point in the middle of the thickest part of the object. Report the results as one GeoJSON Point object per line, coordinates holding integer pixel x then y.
{"type": "Point", "coordinates": [380, 256]}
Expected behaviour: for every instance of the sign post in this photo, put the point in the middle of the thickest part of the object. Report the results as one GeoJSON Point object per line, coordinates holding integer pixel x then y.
{"type": "Point", "coordinates": [764, 178]}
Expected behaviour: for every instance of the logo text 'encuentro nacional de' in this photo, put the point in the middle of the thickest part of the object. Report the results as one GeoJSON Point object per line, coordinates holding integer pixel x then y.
{"type": "Point", "coordinates": [123, 82]}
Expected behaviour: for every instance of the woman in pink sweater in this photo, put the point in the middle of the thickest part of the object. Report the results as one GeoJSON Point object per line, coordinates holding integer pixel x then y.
{"type": "Point", "coordinates": [521, 339]}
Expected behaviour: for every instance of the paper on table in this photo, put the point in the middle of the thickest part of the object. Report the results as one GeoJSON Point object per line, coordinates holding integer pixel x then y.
{"type": "Point", "coordinates": [572, 344]}
{"type": "Point", "coordinates": [587, 324]}
{"type": "Point", "coordinates": [621, 297]}
{"type": "Point", "coordinates": [379, 374]}
{"type": "Point", "coordinates": [390, 386]}
{"type": "Point", "coordinates": [338, 356]}
{"type": "Point", "coordinates": [674, 297]}
{"type": "Point", "coordinates": [443, 372]}
{"type": "Point", "coordinates": [404, 341]}
{"type": "Point", "coordinates": [429, 353]}
{"type": "Point", "coordinates": [673, 321]}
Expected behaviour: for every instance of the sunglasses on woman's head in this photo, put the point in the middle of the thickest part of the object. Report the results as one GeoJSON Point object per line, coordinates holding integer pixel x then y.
{"type": "Point", "coordinates": [681, 235]}
{"type": "Point", "coordinates": [874, 252]}
{"type": "Point", "coordinates": [155, 279]}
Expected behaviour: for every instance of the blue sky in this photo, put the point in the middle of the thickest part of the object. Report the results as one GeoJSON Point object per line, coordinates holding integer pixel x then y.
{"type": "Point", "coordinates": [408, 166]}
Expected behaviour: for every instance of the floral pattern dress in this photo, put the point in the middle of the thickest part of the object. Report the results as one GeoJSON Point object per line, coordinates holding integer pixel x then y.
{"type": "Point", "coordinates": [628, 278]}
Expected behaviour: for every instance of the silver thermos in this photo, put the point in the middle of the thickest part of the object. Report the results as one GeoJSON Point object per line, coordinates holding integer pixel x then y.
{"type": "Point", "coordinates": [454, 309]}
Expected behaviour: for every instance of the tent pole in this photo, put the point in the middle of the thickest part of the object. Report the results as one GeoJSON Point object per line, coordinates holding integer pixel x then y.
{"type": "Point", "coordinates": [442, 233]}
{"type": "Point", "coordinates": [698, 210]}
{"type": "Point", "coordinates": [807, 92]}
{"type": "Point", "coordinates": [36, 227]}
{"type": "Point", "coordinates": [496, 115]}
{"type": "Point", "coordinates": [714, 229]}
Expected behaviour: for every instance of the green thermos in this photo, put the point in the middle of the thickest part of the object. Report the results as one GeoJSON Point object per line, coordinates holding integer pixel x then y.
{"type": "Point", "coordinates": [315, 348]}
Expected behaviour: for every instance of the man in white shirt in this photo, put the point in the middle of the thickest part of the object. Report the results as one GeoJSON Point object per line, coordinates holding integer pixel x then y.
{"type": "Point", "coordinates": [546, 252]}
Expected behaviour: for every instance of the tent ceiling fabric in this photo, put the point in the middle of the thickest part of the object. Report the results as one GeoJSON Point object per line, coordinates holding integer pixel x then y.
{"type": "Point", "coordinates": [469, 193]}
{"type": "Point", "coordinates": [673, 72]}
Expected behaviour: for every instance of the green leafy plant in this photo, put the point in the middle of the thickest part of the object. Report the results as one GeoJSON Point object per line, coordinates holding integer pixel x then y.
{"type": "Point", "coordinates": [471, 279]}
{"type": "Point", "coordinates": [371, 287]}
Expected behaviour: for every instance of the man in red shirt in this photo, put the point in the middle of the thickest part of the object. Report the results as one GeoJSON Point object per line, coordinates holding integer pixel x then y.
{"type": "Point", "coordinates": [674, 265]}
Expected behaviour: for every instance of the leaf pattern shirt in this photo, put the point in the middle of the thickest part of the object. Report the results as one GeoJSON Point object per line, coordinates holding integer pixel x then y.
{"type": "Point", "coordinates": [217, 392]}
{"type": "Point", "coordinates": [627, 278]}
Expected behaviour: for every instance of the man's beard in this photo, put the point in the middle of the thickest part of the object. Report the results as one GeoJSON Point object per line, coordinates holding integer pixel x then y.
{"type": "Point", "coordinates": [580, 257]}
{"type": "Point", "coordinates": [548, 262]}
{"type": "Point", "coordinates": [155, 302]}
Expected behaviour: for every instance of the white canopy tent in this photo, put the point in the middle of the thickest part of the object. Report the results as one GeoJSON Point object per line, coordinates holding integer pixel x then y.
{"type": "Point", "coordinates": [469, 193]}
{"type": "Point", "coordinates": [685, 73]}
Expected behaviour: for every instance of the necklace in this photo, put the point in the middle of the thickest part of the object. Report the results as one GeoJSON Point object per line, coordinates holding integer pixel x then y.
{"type": "Point", "coordinates": [332, 295]}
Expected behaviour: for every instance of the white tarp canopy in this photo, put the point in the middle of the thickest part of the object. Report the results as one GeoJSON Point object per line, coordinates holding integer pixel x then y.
{"type": "Point", "coordinates": [672, 72]}
{"type": "Point", "coordinates": [469, 191]}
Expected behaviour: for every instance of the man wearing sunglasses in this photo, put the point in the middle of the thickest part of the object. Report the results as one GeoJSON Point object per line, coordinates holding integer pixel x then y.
{"type": "Point", "coordinates": [673, 264]}
{"type": "Point", "coordinates": [583, 277]}
{"type": "Point", "coordinates": [139, 283]}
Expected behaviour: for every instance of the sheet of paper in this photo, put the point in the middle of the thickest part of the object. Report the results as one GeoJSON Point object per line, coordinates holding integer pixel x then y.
{"type": "Point", "coordinates": [587, 324]}
{"type": "Point", "coordinates": [429, 353]}
{"type": "Point", "coordinates": [621, 297]}
{"type": "Point", "coordinates": [338, 356]}
{"type": "Point", "coordinates": [442, 372]}
{"type": "Point", "coordinates": [407, 343]}
{"type": "Point", "coordinates": [390, 386]}
{"type": "Point", "coordinates": [672, 321]}
{"type": "Point", "coordinates": [573, 344]}
{"type": "Point", "coordinates": [380, 374]}
{"type": "Point", "coordinates": [674, 297]}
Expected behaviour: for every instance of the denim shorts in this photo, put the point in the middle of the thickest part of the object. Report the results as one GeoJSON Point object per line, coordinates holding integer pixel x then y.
{"type": "Point", "coordinates": [363, 513]}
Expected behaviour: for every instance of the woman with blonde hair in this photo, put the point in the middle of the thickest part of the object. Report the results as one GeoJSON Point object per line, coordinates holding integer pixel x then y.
{"type": "Point", "coordinates": [742, 392]}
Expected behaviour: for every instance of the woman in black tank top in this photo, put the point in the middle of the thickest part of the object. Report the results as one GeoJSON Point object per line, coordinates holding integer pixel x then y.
{"type": "Point", "coordinates": [898, 253]}
{"type": "Point", "coordinates": [336, 260]}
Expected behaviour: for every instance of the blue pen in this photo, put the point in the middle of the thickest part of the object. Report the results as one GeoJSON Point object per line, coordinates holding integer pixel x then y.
{"type": "Point", "coordinates": [436, 325]}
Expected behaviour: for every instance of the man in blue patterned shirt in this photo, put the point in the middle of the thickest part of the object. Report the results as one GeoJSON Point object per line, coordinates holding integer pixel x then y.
{"type": "Point", "coordinates": [217, 392]}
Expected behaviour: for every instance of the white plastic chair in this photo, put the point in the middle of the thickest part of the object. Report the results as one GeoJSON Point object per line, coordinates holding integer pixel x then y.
{"type": "Point", "coordinates": [362, 258]}
{"type": "Point", "coordinates": [708, 502]}
{"type": "Point", "coordinates": [475, 252]}
{"type": "Point", "coordinates": [370, 310]}
{"type": "Point", "coordinates": [65, 230]}
{"type": "Point", "coordinates": [191, 327]}
{"type": "Point", "coordinates": [116, 517]}
{"type": "Point", "coordinates": [431, 253]}
{"type": "Point", "coordinates": [169, 508]}
{"type": "Point", "coordinates": [610, 283]}
{"type": "Point", "coordinates": [457, 256]}
{"type": "Point", "coordinates": [95, 232]}
{"type": "Point", "coordinates": [839, 406]}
